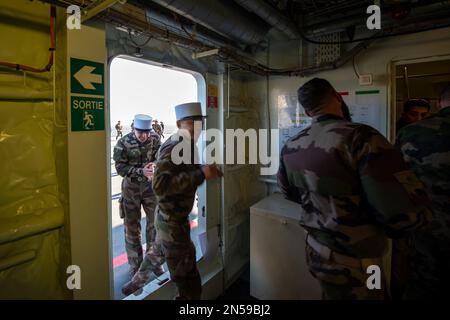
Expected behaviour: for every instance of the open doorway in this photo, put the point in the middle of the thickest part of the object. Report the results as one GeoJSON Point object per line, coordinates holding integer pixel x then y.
{"type": "Point", "coordinates": [141, 87]}
{"type": "Point", "coordinates": [419, 79]}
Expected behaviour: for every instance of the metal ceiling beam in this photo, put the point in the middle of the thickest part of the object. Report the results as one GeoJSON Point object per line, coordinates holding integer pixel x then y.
{"type": "Point", "coordinates": [97, 7]}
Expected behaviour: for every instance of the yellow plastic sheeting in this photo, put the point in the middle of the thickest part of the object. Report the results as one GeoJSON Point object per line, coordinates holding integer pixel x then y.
{"type": "Point", "coordinates": [27, 276]}
{"type": "Point", "coordinates": [26, 150]}
{"type": "Point", "coordinates": [34, 251]}
{"type": "Point", "coordinates": [24, 29]}
{"type": "Point", "coordinates": [29, 202]}
{"type": "Point", "coordinates": [27, 225]}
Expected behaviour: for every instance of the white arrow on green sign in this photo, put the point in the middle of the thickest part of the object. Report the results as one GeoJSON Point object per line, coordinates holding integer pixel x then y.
{"type": "Point", "coordinates": [86, 77]}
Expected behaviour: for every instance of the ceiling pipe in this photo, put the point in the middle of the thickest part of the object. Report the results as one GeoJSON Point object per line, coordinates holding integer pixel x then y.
{"type": "Point", "coordinates": [125, 21]}
{"type": "Point", "coordinates": [421, 12]}
{"type": "Point", "coordinates": [340, 24]}
{"type": "Point", "coordinates": [272, 15]}
{"type": "Point", "coordinates": [166, 19]}
{"type": "Point", "coordinates": [342, 60]}
{"type": "Point", "coordinates": [241, 61]}
{"type": "Point", "coordinates": [223, 17]}
{"type": "Point", "coordinates": [174, 23]}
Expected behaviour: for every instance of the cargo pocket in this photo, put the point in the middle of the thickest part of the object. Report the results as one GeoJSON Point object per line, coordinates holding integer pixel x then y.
{"type": "Point", "coordinates": [121, 209]}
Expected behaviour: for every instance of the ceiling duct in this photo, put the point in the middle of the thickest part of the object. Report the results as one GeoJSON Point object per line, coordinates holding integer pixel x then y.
{"type": "Point", "coordinates": [271, 15]}
{"type": "Point", "coordinates": [421, 12]}
{"type": "Point", "coordinates": [223, 17]}
{"type": "Point", "coordinates": [174, 23]}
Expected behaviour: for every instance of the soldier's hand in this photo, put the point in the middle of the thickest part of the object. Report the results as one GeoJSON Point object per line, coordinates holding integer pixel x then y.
{"type": "Point", "coordinates": [211, 172]}
{"type": "Point", "coordinates": [148, 170]}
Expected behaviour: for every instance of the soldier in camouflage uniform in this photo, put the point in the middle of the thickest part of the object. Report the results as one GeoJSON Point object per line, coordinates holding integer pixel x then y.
{"type": "Point", "coordinates": [133, 156]}
{"type": "Point", "coordinates": [426, 147]}
{"type": "Point", "coordinates": [157, 128]}
{"type": "Point", "coordinates": [175, 186]}
{"type": "Point", "coordinates": [355, 191]}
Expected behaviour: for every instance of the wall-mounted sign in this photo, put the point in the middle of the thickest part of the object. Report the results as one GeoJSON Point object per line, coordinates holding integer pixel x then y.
{"type": "Point", "coordinates": [88, 114]}
{"type": "Point", "coordinates": [87, 102]}
{"type": "Point", "coordinates": [87, 77]}
{"type": "Point", "coordinates": [212, 96]}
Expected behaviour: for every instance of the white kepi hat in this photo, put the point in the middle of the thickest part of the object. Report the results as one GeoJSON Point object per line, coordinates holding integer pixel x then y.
{"type": "Point", "coordinates": [142, 122]}
{"type": "Point", "coordinates": [189, 110]}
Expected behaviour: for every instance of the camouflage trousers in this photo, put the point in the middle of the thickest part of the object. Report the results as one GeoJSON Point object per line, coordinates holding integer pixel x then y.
{"type": "Point", "coordinates": [135, 195]}
{"type": "Point", "coordinates": [429, 268]}
{"type": "Point", "coordinates": [341, 282]}
{"type": "Point", "coordinates": [172, 245]}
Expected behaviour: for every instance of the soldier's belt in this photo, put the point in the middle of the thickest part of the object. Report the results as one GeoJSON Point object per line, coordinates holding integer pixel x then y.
{"type": "Point", "coordinates": [137, 179]}
{"type": "Point", "coordinates": [338, 258]}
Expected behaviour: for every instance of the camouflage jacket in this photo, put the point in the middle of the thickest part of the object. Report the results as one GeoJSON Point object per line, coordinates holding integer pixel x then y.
{"type": "Point", "coordinates": [426, 148]}
{"type": "Point", "coordinates": [353, 186]}
{"type": "Point", "coordinates": [175, 185]}
{"type": "Point", "coordinates": [157, 128]}
{"type": "Point", "coordinates": [130, 155]}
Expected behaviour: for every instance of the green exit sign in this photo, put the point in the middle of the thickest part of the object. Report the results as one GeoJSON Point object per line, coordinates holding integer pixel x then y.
{"type": "Point", "coordinates": [87, 87]}
{"type": "Point", "coordinates": [88, 114]}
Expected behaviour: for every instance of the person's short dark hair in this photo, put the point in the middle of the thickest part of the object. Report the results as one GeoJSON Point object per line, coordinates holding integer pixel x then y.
{"type": "Point", "coordinates": [314, 93]}
{"type": "Point", "coordinates": [416, 103]}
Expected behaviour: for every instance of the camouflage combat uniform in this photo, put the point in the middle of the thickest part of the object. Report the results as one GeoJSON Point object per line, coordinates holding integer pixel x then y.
{"type": "Point", "coordinates": [175, 187]}
{"type": "Point", "coordinates": [157, 128]}
{"type": "Point", "coordinates": [119, 131]}
{"type": "Point", "coordinates": [130, 156]}
{"type": "Point", "coordinates": [355, 190]}
{"type": "Point", "coordinates": [426, 147]}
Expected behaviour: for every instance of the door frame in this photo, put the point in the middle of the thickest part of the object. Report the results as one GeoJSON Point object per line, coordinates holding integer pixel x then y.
{"type": "Point", "coordinates": [393, 88]}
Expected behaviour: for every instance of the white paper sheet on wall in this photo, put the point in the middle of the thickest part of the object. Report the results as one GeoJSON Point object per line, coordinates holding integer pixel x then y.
{"type": "Point", "coordinates": [291, 117]}
{"type": "Point", "coordinates": [365, 107]}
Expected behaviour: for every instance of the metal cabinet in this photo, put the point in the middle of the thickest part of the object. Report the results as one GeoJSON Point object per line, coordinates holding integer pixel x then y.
{"type": "Point", "coordinates": [278, 267]}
